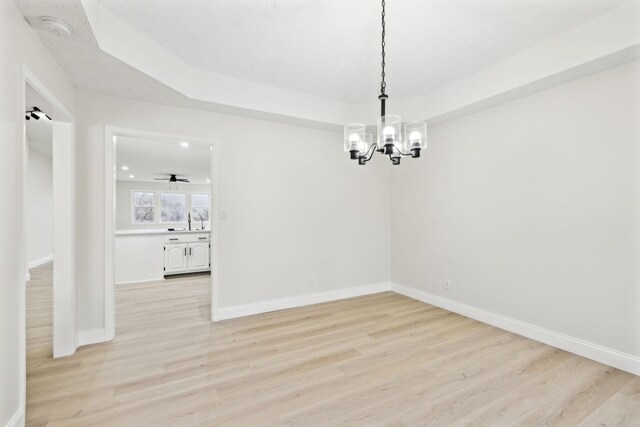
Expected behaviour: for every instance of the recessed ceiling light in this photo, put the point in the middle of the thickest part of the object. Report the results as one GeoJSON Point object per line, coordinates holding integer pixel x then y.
{"type": "Point", "coordinates": [131, 176]}
{"type": "Point", "coordinates": [55, 26]}
{"type": "Point", "coordinates": [184, 144]}
{"type": "Point", "coordinates": [125, 168]}
{"type": "Point", "coordinates": [208, 180]}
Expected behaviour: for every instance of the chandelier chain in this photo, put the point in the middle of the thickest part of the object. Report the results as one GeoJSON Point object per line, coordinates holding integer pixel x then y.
{"type": "Point", "coordinates": [383, 84]}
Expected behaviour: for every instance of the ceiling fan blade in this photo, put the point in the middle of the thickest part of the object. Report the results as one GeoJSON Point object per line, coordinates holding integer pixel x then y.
{"type": "Point", "coordinates": [182, 180]}
{"type": "Point", "coordinates": [161, 179]}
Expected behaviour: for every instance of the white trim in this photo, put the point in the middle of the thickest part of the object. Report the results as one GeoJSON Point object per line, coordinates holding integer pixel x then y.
{"type": "Point", "coordinates": [109, 232]}
{"type": "Point", "coordinates": [41, 261]}
{"type": "Point", "coordinates": [608, 356]}
{"type": "Point", "coordinates": [64, 239]}
{"type": "Point", "coordinates": [299, 301]}
{"type": "Point", "coordinates": [27, 277]}
{"type": "Point", "coordinates": [91, 336]}
{"type": "Point", "coordinates": [18, 419]}
{"type": "Point", "coordinates": [140, 282]}
{"type": "Point", "coordinates": [214, 208]}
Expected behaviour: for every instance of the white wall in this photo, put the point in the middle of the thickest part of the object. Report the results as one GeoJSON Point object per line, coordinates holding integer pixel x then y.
{"type": "Point", "coordinates": [531, 209]}
{"type": "Point", "coordinates": [123, 202]}
{"type": "Point", "coordinates": [295, 204]}
{"type": "Point", "coordinates": [139, 258]}
{"type": "Point", "coordinates": [39, 206]}
{"type": "Point", "coordinates": [18, 45]}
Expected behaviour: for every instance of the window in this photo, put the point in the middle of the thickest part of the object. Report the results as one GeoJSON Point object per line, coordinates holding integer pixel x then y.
{"type": "Point", "coordinates": [143, 207]}
{"type": "Point", "coordinates": [200, 207]}
{"type": "Point", "coordinates": [173, 207]}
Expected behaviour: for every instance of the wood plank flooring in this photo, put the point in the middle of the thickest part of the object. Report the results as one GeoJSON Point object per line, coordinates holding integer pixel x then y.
{"type": "Point", "coordinates": [379, 360]}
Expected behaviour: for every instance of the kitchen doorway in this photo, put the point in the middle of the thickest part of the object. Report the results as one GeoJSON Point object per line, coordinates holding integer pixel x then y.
{"type": "Point", "coordinates": [161, 232]}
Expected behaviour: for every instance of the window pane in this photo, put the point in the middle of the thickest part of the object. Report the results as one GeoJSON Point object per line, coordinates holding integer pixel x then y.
{"type": "Point", "coordinates": [200, 214]}
{"type": "Point", "coordinates": [200, 206]}
{"type": "Point", "coordinates": [143, 211]}
{"type": "Point", "coordinates": [143, 215]}
{"type": "Point", "coordinates": [143, 199]}
{"type": "Point", "coordinates": [173, 207]}
{"type": "Point", "coordinates": [200, 200]}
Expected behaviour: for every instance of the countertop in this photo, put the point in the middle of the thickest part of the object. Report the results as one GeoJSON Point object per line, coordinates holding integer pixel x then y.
{"type": "Point", "coordinates": [157, 231]}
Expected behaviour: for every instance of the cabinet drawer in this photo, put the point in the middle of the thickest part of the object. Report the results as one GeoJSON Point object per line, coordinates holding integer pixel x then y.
{"type": "Point", "coordinates": [186, 238]}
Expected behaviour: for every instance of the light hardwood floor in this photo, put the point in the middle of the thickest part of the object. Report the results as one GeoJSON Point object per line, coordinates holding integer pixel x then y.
{"type": "Point", "coordinates": [379, 360]}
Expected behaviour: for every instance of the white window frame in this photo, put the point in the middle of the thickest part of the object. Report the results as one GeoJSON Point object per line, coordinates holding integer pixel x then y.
{"type": "Point", "coordinates": [187, 206]}
{"type": "Point", "coordinates": [157, 206]}
{"type": "Point", "coordinates": [191, 193]}
{"type": "Point", "coordinates": [132, 207]}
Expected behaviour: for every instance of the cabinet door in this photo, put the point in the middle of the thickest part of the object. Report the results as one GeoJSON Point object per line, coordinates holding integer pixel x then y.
{"type": "Point", "coordinates": [198, 256]}
{"type": "Point", "coordinates": [175, 258]}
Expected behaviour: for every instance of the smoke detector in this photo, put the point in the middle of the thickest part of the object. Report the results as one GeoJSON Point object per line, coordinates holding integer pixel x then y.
{"type": "Point", "coordinates": [55, 26]}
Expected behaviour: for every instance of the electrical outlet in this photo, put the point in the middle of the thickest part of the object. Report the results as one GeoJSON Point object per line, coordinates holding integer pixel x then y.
{"type": "Point", "coordinates": [313, 280]}
{"type": "Point", "coordinates": [447, 284]}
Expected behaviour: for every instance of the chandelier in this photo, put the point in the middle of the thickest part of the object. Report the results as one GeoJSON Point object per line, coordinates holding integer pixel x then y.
{"type": "Point", "coordinates": [394, 139]}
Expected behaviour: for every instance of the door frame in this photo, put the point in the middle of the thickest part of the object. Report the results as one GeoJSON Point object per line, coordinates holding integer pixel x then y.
{"type": "Point", "coordinates": [110, 134]}
{"type": "Point", "coordinates": [64, 227]}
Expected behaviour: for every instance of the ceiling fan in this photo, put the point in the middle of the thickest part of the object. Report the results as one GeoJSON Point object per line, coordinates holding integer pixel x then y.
{"type": "Point", "coordinates": [172, 178]}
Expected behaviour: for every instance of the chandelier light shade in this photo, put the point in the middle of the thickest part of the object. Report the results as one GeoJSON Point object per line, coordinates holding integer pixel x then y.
{"type": "Point", "coordinates": [394, 139]}
{"type": "Point", "coordinates": [415, 137]}
{"type": "Point", "coordinates": [354, 138]}
{"type": "Point", "coordinates": [389, 132]}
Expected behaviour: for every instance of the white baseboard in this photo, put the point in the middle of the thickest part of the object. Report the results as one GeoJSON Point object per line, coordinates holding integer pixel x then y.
{"type": "Point", "coordinates": [91, 336]}
{"type": "Point", "coordinates": [223, 313]}
{"type": "Point", "coordinates": [41, 261]}
{"type": "Point", "coordinates": [596, 352]}
{"type": "Point", "coordinates": [140, 282]}
{"type": "Point", "coordinates": [18, 418]}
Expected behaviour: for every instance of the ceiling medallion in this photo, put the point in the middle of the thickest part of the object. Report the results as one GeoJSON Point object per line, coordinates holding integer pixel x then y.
{"type": "Point", "coordinates": [394, 139]}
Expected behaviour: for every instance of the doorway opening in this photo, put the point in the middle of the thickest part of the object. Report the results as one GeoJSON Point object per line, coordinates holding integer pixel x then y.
{"type": "Point", "coordinates": [38, 225]}
{"type": "Point", "coordinates": [48, 301]}
{"type": "Point", "coordinates": [162, 239]}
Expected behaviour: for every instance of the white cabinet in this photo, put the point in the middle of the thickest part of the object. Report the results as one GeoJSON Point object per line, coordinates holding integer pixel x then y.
{"type": "Point", "coordinates": [198, 256]}
{"type": "Point", "coordinates": [186, 254]}
{"type": "Point", "coordinates": [175, 258]}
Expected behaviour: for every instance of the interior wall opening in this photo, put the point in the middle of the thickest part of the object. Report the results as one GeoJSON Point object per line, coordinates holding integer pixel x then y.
{"type": "Point", "coordinates": [162, 230]}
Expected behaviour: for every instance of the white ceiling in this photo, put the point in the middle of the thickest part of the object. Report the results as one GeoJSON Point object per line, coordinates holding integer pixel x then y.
{"type": "Point", "coordinates": [328, 48]}
{"type": "Point", "coordinates": [87, 66]}
{"type": "Point", "coordinates": [148, 158]}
